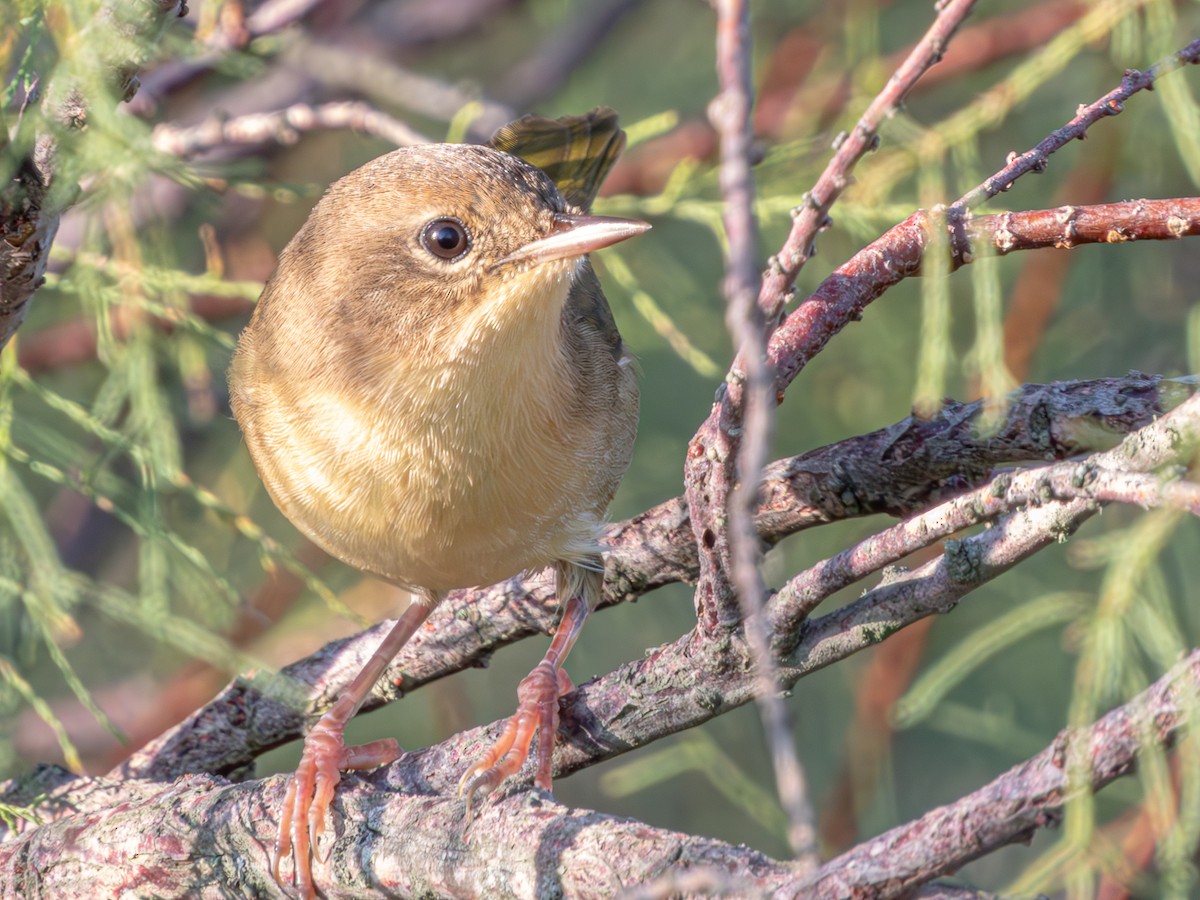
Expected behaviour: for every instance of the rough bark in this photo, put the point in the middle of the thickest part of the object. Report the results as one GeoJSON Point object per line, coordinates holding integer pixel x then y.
{"type": "Point", "coordinates": [39, 187]}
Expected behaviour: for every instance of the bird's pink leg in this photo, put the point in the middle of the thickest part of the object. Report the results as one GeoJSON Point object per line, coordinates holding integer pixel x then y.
{"type": "Point", "coordinates": [537, 701]}
{"type": "Point", "coordinates": [325, 756]}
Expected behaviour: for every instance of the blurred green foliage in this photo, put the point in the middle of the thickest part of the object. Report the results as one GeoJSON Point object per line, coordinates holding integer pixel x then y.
{"type": "Point", "coordinates": [133, 528]}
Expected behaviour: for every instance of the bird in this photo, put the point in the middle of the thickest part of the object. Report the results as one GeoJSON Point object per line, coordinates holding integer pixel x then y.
{"type": "Point", "coordinates": [433, 389]}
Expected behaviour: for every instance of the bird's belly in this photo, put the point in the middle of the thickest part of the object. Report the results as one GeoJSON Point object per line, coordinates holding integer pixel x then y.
{"type": "Point", "coordinates": [434, 498]}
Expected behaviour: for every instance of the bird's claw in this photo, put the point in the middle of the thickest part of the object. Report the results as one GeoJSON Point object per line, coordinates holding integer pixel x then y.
{"type": "Point", "coordinates": [537, 712]}
{"type": "Point", "coordinates": [310, 793]}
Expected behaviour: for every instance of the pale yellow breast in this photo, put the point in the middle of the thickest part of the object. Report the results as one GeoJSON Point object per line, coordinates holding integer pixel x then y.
{"type": "Point", "coordinates": [447, 469]}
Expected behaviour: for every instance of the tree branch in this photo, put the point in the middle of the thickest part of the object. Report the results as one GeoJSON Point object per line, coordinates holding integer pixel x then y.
{"type": "Point", "coordinates": [394, 839]}
{"type": "Point", "coordinates": [1111, 104]}
{"type": "Point", "coordinates": [1015, 806]}
{"type": "Point", "coordinates": [895, 470]}
{"type": "Point", "coordinates": [399, 825]}
{"type": "Point", "coordinates": [813, 212]}
{"type": "Point", "coordinates": [713, 450]}
{"type": "Point", "coordinates": [733, 565]}
{"type": "Point", "coordinates": [1100, 477]}
{"type": "Point", "coordinates": [282, 126]}
{"type": "Point", "coordinates": [899, 253]}
{"type": "Point", "coordinates": [397, 829]}
{"type": "Point", "coordinates": [34, 196]}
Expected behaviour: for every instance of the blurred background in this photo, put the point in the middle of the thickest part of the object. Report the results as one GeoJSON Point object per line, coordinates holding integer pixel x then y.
{"type": "Point", "coordinates": [142, 564]}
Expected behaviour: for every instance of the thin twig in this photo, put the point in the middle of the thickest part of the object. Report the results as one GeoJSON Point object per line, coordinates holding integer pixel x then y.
{"type": "Point", "coordinates": [1012, 808]}
{"type": "Point", "coordinates": [730, 112]}
{"type": "Point", "coordinates": [283, 127]}
{"type": "Point", "coordinates": [711, 453]}
{"type": "Point", "coordinates": [1111, 104]}
{"type": "Point", "coordinates": [813, 212]}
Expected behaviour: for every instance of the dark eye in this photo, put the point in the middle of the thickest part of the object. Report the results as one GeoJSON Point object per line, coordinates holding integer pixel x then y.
{"type": "Point", "coordinates": [446, 238]}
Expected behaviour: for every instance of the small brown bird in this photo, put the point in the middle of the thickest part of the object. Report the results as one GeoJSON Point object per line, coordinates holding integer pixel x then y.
{"type": "Point", "coordinates": [433, 389]}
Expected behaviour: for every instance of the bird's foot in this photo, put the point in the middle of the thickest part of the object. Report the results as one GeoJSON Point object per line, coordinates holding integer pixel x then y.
{"type": "Point", "coordinates": [537, 712]}
{"type": "Point", "coordinates": [310, 792]}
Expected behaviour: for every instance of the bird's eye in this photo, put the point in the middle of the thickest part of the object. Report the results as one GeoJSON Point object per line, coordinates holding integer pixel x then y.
{"type": "Point", "coordinates": [446, 238]}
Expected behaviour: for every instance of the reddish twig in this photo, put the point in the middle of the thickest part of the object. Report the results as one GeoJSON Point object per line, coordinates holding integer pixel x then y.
{"type": "Point", "coordinates": [713, 449]}
{"type": "Point", "coordinates": [811, 215]}
{"type": "Point", "coordinates": [1073, 226]}
{"type": "Point", "coordinates": [842, 297]}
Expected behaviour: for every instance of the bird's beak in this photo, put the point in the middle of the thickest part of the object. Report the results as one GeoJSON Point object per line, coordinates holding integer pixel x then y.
{"type": "Point", "coordinates": [574, 236]}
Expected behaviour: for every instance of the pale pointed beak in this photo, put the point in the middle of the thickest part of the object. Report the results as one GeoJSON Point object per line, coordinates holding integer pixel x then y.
{"type": "Point", "coordinates": [575, 235]}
